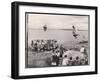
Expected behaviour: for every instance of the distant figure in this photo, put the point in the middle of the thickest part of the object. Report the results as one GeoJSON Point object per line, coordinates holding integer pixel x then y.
{"type": "Point", "coordinates": [61, 50]}
{"type": "Point", "coordinates": [74, 32]}
{"type": "Point", "coordinates": [32, 43]}
{"type": "Point", "coordinates": [45, 28]}
{"type": "Point", "coordinates": [82, 50]}
{"type": "Point", "coordinates": [35, 47]}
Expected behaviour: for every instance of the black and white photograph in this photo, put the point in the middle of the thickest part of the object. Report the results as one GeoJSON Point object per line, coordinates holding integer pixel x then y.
{"type": "Point", "coordinates": [56, 40]}
{"type": "Point", "coordinates": [50, 40]}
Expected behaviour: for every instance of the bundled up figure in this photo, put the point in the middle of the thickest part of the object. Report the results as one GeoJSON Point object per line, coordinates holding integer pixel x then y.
{"type": "Point", "coordinates": [65, 60]}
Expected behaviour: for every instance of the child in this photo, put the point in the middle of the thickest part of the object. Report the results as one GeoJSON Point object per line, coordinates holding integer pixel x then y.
{"type": "Point", "coordinates": [77, 61]}
{"type": "Point", "coordinates": [70, 62]}
{"type": "Point", "coordinates": [65, 61]}
{"type": "Point", "coordinates": [54, 59]}
{"type": "Point", "coordinates": [83, 61]}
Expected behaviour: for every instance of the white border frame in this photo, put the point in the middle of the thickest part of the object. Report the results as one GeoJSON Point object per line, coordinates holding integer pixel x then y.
{"type": "Point", "coordinates": [54, 70]}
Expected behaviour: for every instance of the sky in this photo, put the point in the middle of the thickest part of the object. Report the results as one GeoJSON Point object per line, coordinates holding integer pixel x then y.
{"type": "Point", "coordinates": [37, 21]}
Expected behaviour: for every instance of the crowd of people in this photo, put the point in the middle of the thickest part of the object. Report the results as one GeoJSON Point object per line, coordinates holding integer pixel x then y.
{"type": "Point", "coordinates": [44, 45]}
{"type": "Point", "coordinates": [58, 51]}
{"type": "Point", "coordinates": [68, 60]}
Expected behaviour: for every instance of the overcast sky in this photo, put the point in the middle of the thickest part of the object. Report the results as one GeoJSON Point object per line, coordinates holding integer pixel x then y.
{"type": "Point", "coordinates": [37, 21]}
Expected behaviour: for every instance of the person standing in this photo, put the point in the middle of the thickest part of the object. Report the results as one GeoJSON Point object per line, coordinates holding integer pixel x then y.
{"type": "Point", "coordinates": [61, 51]}
{"type": "Point", "coordinates": [35, 47]}
{"type": "Point", "coordinates": [54, 59]}
{"type": "Point", "coordinates": [58, 57]}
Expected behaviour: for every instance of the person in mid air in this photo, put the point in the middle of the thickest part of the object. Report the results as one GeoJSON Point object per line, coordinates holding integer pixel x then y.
{"type": "Point", "coordinates": [45, 27]}
{"type": "Point", "coordinates": [74, 32]}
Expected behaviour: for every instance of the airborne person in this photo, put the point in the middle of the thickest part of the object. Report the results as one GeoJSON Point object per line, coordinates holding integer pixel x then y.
{"type": "Point", "coordinates": [45, 28]}
{"type": "Point", "coordinates": [74, 32]}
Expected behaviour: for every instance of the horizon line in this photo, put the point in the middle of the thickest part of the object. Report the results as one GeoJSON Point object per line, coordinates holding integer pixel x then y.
{"type": "Point", "coordinates": [57, 29]}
